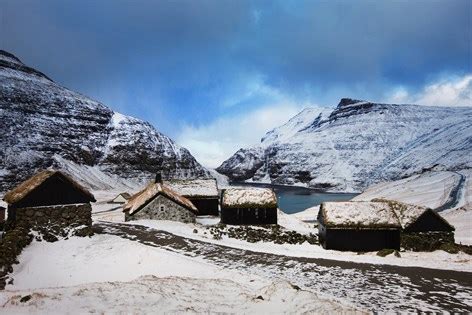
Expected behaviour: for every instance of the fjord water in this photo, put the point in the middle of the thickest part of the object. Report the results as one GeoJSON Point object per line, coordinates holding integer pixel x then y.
{"type": "Point", "coordinates": [295, 199]}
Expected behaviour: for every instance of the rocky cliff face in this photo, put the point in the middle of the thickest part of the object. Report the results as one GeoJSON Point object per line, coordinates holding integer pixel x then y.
{"type": "Point", "coordinates": [357, 144]}
{"type": "Point", "coordinates": [44, 124]}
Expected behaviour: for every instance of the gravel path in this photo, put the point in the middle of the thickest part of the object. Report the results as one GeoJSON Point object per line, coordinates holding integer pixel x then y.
{"type": "Point", "coordinates": [373, 287]}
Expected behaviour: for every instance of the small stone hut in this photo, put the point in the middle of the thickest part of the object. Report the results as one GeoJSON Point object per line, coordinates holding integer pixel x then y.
{"type": "Point", "coordinates": [49, 199]}
{"type": "Point", "coordinates": [245, 206]}
{"type": "Point", "coordinates": [121, 198]}
{"type": "Point", "coordinates": [358, 226]}
{"type": "Point", "coordinates": [203, 193]}
{"type": "Point", "coordinates": [159, 202]}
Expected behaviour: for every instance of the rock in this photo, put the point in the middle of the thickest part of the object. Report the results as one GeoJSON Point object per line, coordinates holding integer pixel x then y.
{"type": "Point", "coordinates": [48, 237]}
{"type": "Point", "coordinates": [25, 298]}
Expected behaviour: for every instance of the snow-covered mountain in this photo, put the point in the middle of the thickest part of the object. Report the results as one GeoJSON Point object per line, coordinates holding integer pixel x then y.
{"type": "Point", "coordinates": [357, 144]}
{"type": "Point", "coordinates": [44, 124]}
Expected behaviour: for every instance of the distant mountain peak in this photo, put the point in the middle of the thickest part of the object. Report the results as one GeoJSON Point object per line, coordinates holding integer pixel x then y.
{"type": "Point", "coordinates": [13, 67]}
{"type": "Point", "coordinates": [5, 55]}
{"type": "Point", "coordinates": [349, 101]}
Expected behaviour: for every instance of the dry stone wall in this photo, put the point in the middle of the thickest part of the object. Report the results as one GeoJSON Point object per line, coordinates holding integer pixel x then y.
{"type": "Point", "coordinates": [63, 216]}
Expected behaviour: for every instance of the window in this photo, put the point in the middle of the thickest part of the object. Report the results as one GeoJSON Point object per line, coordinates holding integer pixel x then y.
{"type": "Point", "coordinates": [162, 208]}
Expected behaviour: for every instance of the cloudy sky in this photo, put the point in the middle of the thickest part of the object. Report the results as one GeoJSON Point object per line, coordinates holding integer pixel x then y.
{"type": "Point", "coordinates": [216, 75]}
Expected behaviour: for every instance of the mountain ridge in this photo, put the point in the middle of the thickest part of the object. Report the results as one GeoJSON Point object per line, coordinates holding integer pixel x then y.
{"type": "Point", "coordinates": [355, 144]}
{"type": "Point", "coordinates": [46, 125]}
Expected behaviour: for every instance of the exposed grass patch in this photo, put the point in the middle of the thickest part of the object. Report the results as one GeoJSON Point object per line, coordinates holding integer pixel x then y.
{"type": "Point", "coordinates": [385, 252]}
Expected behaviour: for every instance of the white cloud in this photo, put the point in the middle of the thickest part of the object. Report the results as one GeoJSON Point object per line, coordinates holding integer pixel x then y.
{"type": "Point", "coordinates": [453, 91]}
{"type": "Point", "coordinates": [212, 144]}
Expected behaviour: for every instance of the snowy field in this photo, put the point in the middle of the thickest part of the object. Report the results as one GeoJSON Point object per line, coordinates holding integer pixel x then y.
{"type": "Point", "coordinates": [106, 273]}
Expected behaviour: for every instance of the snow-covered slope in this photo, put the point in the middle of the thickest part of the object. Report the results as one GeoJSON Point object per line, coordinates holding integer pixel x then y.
{"type": "Point", "coordinates": [357, 144]}
{"type": "Point", "coordinates": [461, 219]}
{"type": "Point", "coordinates": [45, 124]}
{"type": "Point", "coordinates": [430, 189]}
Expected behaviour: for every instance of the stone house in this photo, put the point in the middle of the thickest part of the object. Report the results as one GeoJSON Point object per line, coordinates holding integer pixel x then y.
{"type": "Point", "coordinates": [203, 193]}
{"type": "Point", "coordinates": [49, 200]}
{"type": "Point", "coordinates": [159, 202]}
{"type": "Point", "coordinates": [121, 198]}
{"type": "Point", "coordinates": [246, 206]}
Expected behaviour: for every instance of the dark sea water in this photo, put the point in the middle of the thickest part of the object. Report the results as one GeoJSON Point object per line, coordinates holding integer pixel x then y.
{"type": "Point", "coordinates": [295, 199]}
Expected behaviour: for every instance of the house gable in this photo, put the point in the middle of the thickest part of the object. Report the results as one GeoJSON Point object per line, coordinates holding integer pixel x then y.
{"type": "Point", "coordinates": [429, 221]}
{"type": "Point", "coordinates": [48, 188]}
{"type": "Point", "coordinates": [162, 208]}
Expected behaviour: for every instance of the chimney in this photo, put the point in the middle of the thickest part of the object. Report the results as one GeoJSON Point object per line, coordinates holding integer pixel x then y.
{"type": "Point", "coordinates": [158, 179]}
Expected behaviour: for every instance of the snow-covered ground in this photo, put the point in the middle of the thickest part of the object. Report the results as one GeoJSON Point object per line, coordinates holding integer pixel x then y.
{"type": "Point", "coordinates": [106, 273]}
{"type": "Point", "coordinates": [307, 215]}
{"type": "Point", "coordinates": [150, 294]}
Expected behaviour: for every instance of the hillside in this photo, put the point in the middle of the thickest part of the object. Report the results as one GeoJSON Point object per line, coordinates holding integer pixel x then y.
{"type": "Point", "coordinates": [357, 144]}
{"type": "Point", "coordinates": [47, 125]}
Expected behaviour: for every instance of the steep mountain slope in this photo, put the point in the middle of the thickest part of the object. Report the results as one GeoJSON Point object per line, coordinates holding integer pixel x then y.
{"type": "Point", "coordinates": [45, 124]}
{"type": "Point", "coordinates": [359, 143]}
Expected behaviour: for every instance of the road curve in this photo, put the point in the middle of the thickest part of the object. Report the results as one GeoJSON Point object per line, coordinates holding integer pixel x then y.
{"type": "Point", "coordinates": [454, 195]}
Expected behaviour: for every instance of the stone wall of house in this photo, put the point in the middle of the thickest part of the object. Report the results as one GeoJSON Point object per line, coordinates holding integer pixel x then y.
{"type": "Point", "coordinates": [426, 241]}
{"type": "Point", "coordinates": [53, 220]}
{"type": "Point", "coordinates": [171, 211]}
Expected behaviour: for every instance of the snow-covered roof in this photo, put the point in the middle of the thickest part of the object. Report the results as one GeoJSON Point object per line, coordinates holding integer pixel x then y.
{"type": "Point", "coordinates": [25, 188]}
{"type": "Point", "coordinates": [139, 200]}
{"type": "Point", "coordinates": [249, 198]}
{"type": "Point", "coordinates": [368, 214]}
{"type": "Point", "coordinates": [194, 187]}
{"type": "Point", "coordinates": [407, 214]}
{"type": "Point", "coordinates": [358, 214]}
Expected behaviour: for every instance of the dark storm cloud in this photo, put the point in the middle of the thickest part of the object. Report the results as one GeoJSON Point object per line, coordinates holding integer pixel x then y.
{"type": "Point", "coordinates": [180, 60]}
